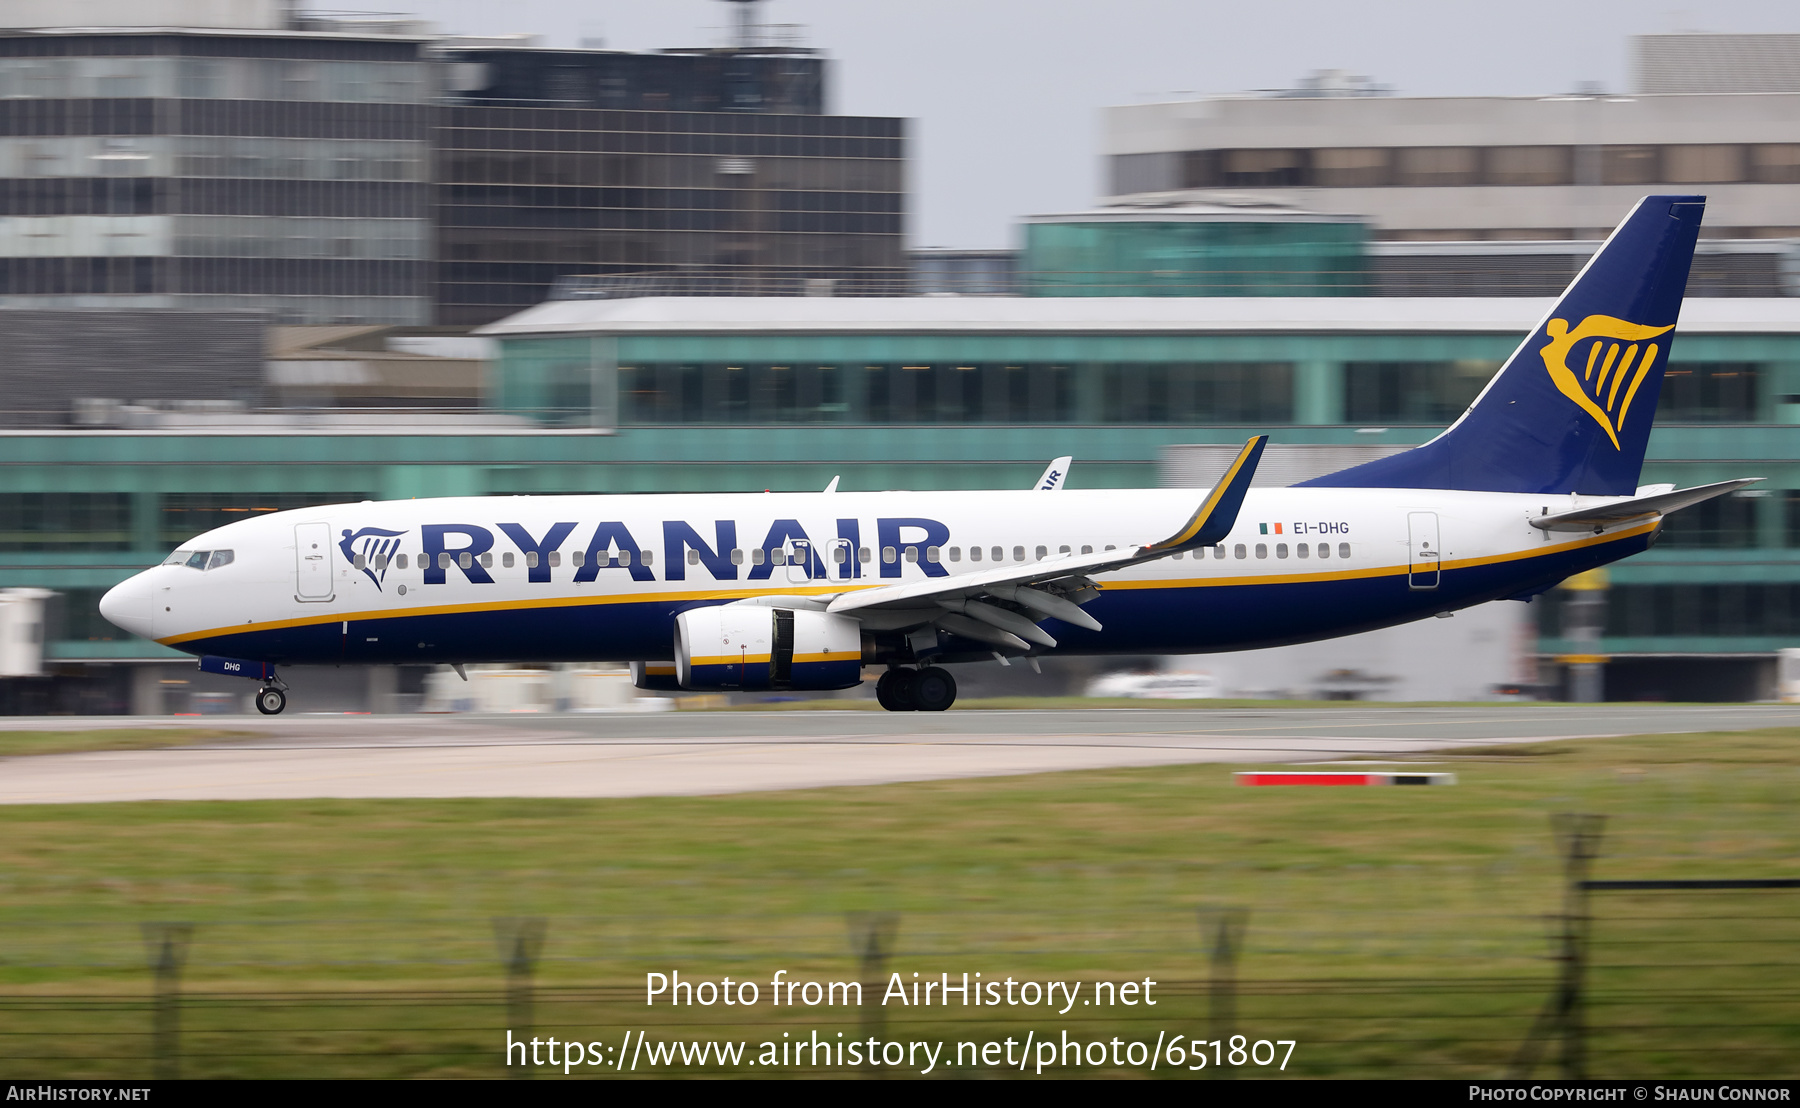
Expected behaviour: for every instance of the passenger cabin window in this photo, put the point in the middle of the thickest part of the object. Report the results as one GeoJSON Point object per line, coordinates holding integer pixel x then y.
{"type": "Point", "coordinates": [1043, 552]}
{"type": "Point", "coordinates": [1087, 550]}
{"type": "Point", "coordinates": [1281, 550]}
{"type": "Point", "coordinates": [555, 558]}
{"type": "Point", "coordinates": [1343, 550]}
{"type": "Point", "coordinates": [1238, 551]}
{"type": "Point", "coordinates": [464, 561]}
{"type": "Point", "coordinates": [1062, 550]}
{"type": "Point", "coordinates": [974, 553]}
{"type": "Point", "coordinates": [693, 557]}
{"type": "Point", "coordinates": [1324, 550]}
{"type": "Point", "coordinates": [956, 553]}
{"type": "Point", "coordinates": [506, 560]}
{"type": "Point", "coordinates": [359, 562]}
{"type": "Point", "coordinates": [400, 560]}
{"type": "Point", "coordinates": [1262, 550]}
{"type": "Point", "coordinates": [933, 554]}
{"type": "Point", "coordinates": [1219, 551]}
{"type": "Point", "coordinates": [912, 554]}
{"type": "Point", "coordinates": [889, 555]}
{"type": "Point", "coordinates": [998, 554]}
{"type": "Point", "coordinates": [487, 560]}
{"type": "Point", "coordinates": [649, 558]}
{"type": "Point", "coordinates": [864, 555]}
{"type": "Point", "coordinates": [737, 557]}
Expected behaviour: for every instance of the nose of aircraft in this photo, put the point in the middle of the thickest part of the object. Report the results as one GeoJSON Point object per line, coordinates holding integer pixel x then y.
{"type": "Point", "coordinates": [127, 605]}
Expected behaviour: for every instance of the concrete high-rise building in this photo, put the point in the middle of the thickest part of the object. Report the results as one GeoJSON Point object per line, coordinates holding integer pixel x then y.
{"type": "Point", "coordinates": [237, 155]}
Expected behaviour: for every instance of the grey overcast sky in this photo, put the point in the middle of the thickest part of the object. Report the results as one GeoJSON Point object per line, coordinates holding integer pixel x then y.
{"type": "Point", "coordinates": [1006, 96]}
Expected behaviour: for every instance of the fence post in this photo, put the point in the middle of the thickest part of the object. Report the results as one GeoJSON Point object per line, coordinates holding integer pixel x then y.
{"type": "Point", "coordinates": [1224, 929]}
{"type": "Point", "coordinates": [1579, 838]}
{"type": "Point", "coordinates": [167, 946]}
{"type": "Point", "coordinates": [1564, 1016]}
{"type": "Point", "coordinates": [872, 940]}
{"type": "Point", "coordinates": [519, 940]}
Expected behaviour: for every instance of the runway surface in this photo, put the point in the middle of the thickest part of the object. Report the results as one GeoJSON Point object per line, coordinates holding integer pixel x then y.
{"type": "Point", "coordinates": [699, 753]}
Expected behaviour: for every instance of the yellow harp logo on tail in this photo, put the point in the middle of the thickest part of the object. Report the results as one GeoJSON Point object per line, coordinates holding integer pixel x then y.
{"type": "Point", "coordinates": [1601, 390]}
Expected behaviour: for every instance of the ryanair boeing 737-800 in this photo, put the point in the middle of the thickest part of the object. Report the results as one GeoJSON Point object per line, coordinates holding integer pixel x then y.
{"type": "Point", "coordinates": [1536, 481]}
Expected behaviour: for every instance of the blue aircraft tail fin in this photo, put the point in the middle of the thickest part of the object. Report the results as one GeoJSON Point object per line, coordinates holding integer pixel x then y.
{"type": "Point", "coordinates": [1571, 410]}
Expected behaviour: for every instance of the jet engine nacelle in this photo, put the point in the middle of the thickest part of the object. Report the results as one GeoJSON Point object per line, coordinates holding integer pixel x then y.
{"type": "Point", "coordinates": [747, 646]}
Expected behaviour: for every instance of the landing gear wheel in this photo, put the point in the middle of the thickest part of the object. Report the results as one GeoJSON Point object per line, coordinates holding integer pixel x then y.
{"type": "Point", "coordinates": [271, 701]}
{"type": "Point", "coordinates": [933, 689]}
{"type": "Point", "coordinates": [895, 690]}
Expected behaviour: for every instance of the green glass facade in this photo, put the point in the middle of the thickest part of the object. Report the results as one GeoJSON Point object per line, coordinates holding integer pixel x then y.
{"type": "Point", "coordinates": [707, 412]}
{"type": "Point", "coordinates": [1148, 257]}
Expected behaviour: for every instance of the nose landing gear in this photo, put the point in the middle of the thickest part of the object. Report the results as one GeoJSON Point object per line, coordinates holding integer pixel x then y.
{"type": "Point", "coordinates": [931, 689]}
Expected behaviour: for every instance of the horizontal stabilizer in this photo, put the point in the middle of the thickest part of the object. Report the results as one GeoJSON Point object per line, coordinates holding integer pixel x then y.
{"type": "Point", "coordinates": [1638, 507]}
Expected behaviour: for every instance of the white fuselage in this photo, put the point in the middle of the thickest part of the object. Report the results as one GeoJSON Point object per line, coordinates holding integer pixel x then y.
{"type": "Point", "coordinates": [593, 578]}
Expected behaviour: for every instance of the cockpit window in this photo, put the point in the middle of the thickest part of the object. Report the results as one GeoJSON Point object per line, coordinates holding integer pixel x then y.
{"type": "Point", "coordinates": [200, 559]}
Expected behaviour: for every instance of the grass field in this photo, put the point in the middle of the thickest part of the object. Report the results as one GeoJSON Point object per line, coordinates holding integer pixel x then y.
{"type": "Point", "coordinates": [18, 743]}
{"type": "Point", "coordinates": [1390, 931]}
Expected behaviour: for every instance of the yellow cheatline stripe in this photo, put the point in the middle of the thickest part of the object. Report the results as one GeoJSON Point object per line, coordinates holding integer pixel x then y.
{"type": "Point", "coordinates": [519, 605]}
{"type": "Point", "coordinates": [731, 660]}
{"type": "Point", "coordinates": [758, 659]}
{"type": "Point", "coordinates": [1212, 498]}
{"type": "Point", "coordinates": [1379, 571]}
{"type": "Point", "coordinates": [850, 586]}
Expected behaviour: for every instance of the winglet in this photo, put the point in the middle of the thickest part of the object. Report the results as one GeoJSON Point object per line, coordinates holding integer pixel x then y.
{"type": "Point", "coordinates": [1218, 513]}
{"type": "Point", "coordinates": [1055, 474]}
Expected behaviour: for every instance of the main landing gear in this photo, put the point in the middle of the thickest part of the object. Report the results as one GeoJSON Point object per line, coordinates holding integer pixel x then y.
{"type": "Point", "coordinates": [931, 689]}
{"type": "Point", "coordinates": [271, 700]}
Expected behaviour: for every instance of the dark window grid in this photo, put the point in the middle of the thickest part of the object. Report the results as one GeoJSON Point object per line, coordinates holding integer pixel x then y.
{"type": "Point", "coordinates": [1709, 392]}
{"type": "Point", "coordinates": [80, 521]}
{"type": "Point", "coordinates": [1727, 610]}
{"type": "Point", "coordinates": [205, 46]}
{"type": "Point", "coordinates": [1412, 392]}
{"type": "Point", "coordinates": [1551, 164]}
{"type": "Point", "coordinates": [1725, 522]}
{"type": "Point", "coordinates": [183, 515]}
{"type": "Point", "coordinates": [301, 277]}
{"type": "Point", "coordinates": [78, 276]}
{"type": "Point", "coordinates": [248, 118]}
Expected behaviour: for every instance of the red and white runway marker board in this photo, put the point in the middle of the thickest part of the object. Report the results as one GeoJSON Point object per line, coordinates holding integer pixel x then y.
{"type": "Point", "coordinates": [1310, 777]}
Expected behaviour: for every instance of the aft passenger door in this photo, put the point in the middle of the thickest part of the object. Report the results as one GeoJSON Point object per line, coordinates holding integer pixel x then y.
{"type": "Point", "coordinates": [1424, 564]}
{"type": "Point", "coordinates": [312, 562]}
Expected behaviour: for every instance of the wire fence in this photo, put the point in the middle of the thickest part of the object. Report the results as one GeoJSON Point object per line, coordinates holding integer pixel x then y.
{"type": "Point", "coordinates": [1668, 983]}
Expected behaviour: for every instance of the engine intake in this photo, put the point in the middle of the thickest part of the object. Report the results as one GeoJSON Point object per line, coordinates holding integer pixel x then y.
{"type": "Point", "coordinates": [747, 646]}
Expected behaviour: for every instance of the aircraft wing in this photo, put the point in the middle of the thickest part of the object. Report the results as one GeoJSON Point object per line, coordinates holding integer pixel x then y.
{"type": "Point", "coordinates": [1637, 507]}
{"type": "Point", "coordinates": [1002, 606]}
